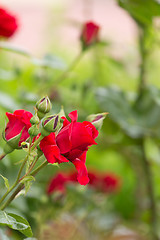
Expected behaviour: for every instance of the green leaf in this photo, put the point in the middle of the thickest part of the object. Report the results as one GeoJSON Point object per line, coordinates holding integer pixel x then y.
{"type": "Point", "coordinates": [27, 179]}
{"type": "Point", "coordinates": [15, 222]}
{"type": "Point", "coordinates": [142, 11]}
{"type": "Point", "coordinates": [5, 181]}
{"type": "Point", "coordinates": [27, 186]}
{"type": "Point", "coordinates": [137, 117]}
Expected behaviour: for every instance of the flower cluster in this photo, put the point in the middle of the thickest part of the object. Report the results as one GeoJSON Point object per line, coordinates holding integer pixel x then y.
{"type": "Point", "coordinates": [59, 139]}
{"type": "Point", "coordinates": [8, 24]}
{"type": "Point", "coordinates": [105, 183]}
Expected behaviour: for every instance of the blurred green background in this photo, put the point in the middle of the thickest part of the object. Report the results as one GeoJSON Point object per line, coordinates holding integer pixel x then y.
{"type": "Point", "coordinates": [119, 75]}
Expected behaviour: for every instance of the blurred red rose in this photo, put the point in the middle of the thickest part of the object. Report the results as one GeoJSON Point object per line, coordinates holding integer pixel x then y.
{"type": "Point", "coordinates": [57, 183]}
{"type": "Point", "coordinates": [8, 24]}
{"type": "Point", "coordinates": [71, 144]}
{"type": "Point", "coordinates": [89, 34]}
{"type": "Point", "coordinates": [110, 183]}
{"type": "Point", "coordinates": [19, 122]}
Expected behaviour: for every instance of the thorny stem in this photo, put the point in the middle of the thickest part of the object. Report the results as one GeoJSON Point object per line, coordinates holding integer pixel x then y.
{"type": "Point", "coordinates": [21, 186]}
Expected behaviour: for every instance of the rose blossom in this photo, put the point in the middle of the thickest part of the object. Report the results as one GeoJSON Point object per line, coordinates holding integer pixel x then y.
{"type": "Point", "coordinates": [110, 183]}
{"type": "Point", "coordinates": [106, 183]}
{"type": "Point", "coordinates": [71, 144]}
{"type": "Point", "coordinates": [8, 24]}
{"type": "Point", "coordinates": [89, 34]}
{"type": "Point", "coordinates": [19, 121]}
{"type": "Point", "coordinates": [57, 183]}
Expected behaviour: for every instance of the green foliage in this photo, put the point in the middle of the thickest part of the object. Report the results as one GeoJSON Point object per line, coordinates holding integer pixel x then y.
{"type": "Point", "coordinates": [137, 116]}
{"type": "Point", "coordinates": [15, 222]}
{"type": "Point", "coordinates": [142, 11]}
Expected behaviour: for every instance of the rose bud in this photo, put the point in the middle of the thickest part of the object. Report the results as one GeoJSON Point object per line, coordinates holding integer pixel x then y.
{"type": "Point", "coordinates": [33, 131]}
{"type": "Point", "coordinates": [8, 24]}
{"type": "Point", "coordinates": [89, 34]}
{"type": "Point", "coordinates": [43, 106]}
{"type": "Point", "coordinates": [34, 119]}
{"type": "Point", "coordinates": [50, 124]}
{"type": "Point", "coordinates": [97, 119]}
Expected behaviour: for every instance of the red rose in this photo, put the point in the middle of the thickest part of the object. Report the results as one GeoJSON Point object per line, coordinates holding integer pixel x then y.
{"type": "Point", "coordinates": [110, 183]}
{"type": "Point", "coordinates": [93, 178]}
{"type": "Point", "coordinates": [8, 24]}
{"type": "Point", "coordinates": [57, 183]}
{"type": "Point", "coordinates": [71, 144]}
{"type": "Point", "coordinates": [89, 34]}
{"type": "Point", "coordinates": [19, 122]}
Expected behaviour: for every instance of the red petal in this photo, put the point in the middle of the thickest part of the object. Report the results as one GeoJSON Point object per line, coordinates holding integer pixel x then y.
{"type": "Point", "coordinates": [62, 140]}
{"type": "Point", "coordinates": [91, 129]}
{"type": "Point", "coordinates": [80, 137]}
{"type": "Point", "coordinates": [65, 122]}
{"type": "Point", "coordinates": [73, 116]}
{"type": "Point", "coordinates": [82, 171]}
{"type": "Point", "coordinates": [51, 150]}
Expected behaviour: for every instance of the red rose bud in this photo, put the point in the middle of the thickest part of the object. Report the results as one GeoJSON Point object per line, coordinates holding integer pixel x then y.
{"type": "Point", "coordinates": [89, 34]}
{"type": "Point", "coordinates": [43, 106]}
{"type": "Point", "coordinates": [50, 124]}
{"type": "Point", "coordinates": [16, 130]}
{"type": "Point", "coordinates": [97, 119]}
{"type": "Point", "coordinates": [8, 24]}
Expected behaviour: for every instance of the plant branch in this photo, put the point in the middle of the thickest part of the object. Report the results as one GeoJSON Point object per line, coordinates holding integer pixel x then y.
{"type": "Point", "coordinates": [16, 182]}
{"type": "Point", "coordinates": [71, 67]}
{"type": "Point", "coordinates": [36, 143]}
{"type": "Point", "coordinates": [150, 190]}
{"type": "Point", "coordinates": [21, 186]}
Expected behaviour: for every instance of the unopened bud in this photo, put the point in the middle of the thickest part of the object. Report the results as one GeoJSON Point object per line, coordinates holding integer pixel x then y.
{"type": "Point", "coordinates": [97, 119]}
{"type": "Point", "coordinates": [33, 131]}
{"type": "Point", "coordinates": [34, 119]}
{"type": "Point", "coordinates": [50, 124]}
{"type": "Point", "coordinates": [43, 106]}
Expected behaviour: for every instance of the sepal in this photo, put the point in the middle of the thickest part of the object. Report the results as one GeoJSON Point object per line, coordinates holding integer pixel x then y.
{"type": "Point", "coordinates": [97, 119]}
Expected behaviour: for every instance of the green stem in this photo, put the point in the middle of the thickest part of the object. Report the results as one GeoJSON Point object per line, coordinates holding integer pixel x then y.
{"type": "Point", "coordinates": [144, 55]}
{"type": "Point", "coordinates": [71, 67]}
{"type": "Point", "coordinates": [36, 143]}
{"type": "Point", "coordinates": [39, 168]}
{"type": "Point", "coordinates": [18, 189]}
{"type": "Point", "coordinates": [2, 156]}
{"type": "Point", "coordinates": [21, 186]}
{"type": "Point", "coordinates": [16, 182]}
{"type": "Point", "coordinates": [150, 190]}
{"type": "Point", "coordinates": [31, 167]}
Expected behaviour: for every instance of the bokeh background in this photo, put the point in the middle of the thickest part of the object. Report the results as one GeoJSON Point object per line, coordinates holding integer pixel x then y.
{"type": "Point", "coordinates": [119, 75]}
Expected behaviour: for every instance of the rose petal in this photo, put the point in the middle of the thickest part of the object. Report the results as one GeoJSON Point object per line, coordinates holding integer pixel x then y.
{"type": "Point", "coordinates": [82, 171]}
